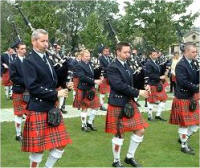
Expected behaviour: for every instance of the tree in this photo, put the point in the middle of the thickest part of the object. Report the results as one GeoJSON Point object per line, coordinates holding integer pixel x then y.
{"type": "Point", "coordinates": [74, 17]}
{"type": "Point", "coordinates": [41, 14]}
{"type": "Point", "coordinates": [63, 20]}
{"type": "Point", "coordinates": [155, 21]}
{"type": "Point", "coordinates": [92, 35]}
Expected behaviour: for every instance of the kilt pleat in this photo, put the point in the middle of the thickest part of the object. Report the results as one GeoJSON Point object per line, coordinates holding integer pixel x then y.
{"type": "Point", "coordinates": [39, 136]}
{"type": "Point", "coordinates": [181, 115]}
{"type": "Point", "coordinates": [6, 79]}
{"type": "Point", "coordinates": [84, 103]}
{"type": "Point", "coordinates": [104, 87]}
{"type": "Point", "coordinates": [126, 125]}
{"type": "Point", "coordinates": [156, 96]}
{"type": "Point", "coordinates": [18, 104]}
{"type": "Point", "coordinates": [76, 82]}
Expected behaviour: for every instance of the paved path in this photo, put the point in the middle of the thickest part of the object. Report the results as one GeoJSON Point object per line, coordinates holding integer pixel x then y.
{"type": "Point", "coordinates": [7, 114]}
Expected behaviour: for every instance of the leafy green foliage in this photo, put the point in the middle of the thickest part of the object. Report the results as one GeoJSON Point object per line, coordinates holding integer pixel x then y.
{"type": "Point", "coordinates": [156, 22]}
{"type": "Point", "coordinates": [70, 23]}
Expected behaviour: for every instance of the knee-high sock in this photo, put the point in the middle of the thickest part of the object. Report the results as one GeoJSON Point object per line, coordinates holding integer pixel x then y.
{"type": "Point", "coordinates": [92, 116]}
{"type": "Point", "coordinates": [61, 101]}
{"type": "Point", "coordinates": [10, 90]}
{"type": "Point", "coordinates": [35, 159]}
{"type": "Point", "coordinates": [18, 123]}
{"type": "Point", "coordinates": [192, 129]}
{"type": "Point", "coordinates": [183, 136]}
{"type": "Point", "coordinates": [54, 155]}
{"type": "Point", "coordinates": [7, 91]}
{"type": "Point", "coordinates": [116, 148]}
{"type": "Point", "coordinates": [160, 109]}
{"type": "Point", "coordinates": [74, 93]}
{"type": "Point", "coordinates": [84, 118]}
{"type": "Point", "coordinates": [101, 98]}
{"type": "Point", "coordinates": [150, 110]}
{"type": "Point", "coordinates": [134, 143]}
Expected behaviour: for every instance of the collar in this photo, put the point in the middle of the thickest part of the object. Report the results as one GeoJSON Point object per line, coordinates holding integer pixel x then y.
{"type": "Point", "coordinates": [122, 62]}
{"type": "Point", "coordinates": [21, 58]}
{"type": "Point", "coordinates": [153, 60]}
{"type": "Point", "coordinates": [40, 54]}
{"type": "Point", "coordinates": [189, 61]}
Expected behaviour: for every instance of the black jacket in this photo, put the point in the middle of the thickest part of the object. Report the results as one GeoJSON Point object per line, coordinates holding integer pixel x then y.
{"type": "Point", "coordinates": [85, 75]}
{"type": "Point", "coordinates": [16, 76]}
{"type": "Point", "coordinates": [187, 80]}
{"type": "Point", "coordinates": [153, 72]}
{"type": "Point", "coordinates": [6, 59]}
{"type": "Point", "coordinates": [40, 83]}
{"type": "Point", "coordinates": [121, 84]}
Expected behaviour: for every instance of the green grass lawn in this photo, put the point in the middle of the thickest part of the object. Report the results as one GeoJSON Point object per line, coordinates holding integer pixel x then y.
{"type": "Point", "coordinates": [159, 148]}
{"type": "Point", "coordinates": [5, 103]}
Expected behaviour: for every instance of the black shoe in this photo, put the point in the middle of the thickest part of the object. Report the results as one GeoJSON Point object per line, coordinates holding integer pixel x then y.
{"type": "Point", "coordinates": [132, 162]}
{"type": "Point", "coordinates": [85, 129]}
{"type": "Point", "coordinates": [103, 108]}
{"type": "Point", "coordinates": [179, 141]}
{"type": "Point", "coordinates": [18, 138]}
{"type": "Point", "coordinates": [63, 111]}
{"type": "Point", "coordinates": [160, 118]}
{"type": "Point", "coordinates": [117, 164]}
{"type": "Point", "coordinates": [91, 127]}
{"type": "Point", "coordinates": [150, 119]}
{"type": "Point", "coordinates": [188, 150]}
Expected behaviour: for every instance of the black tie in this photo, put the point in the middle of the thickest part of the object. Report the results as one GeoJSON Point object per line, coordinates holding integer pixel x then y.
{"type": "Point", "coordinates": [192, 65]}
{"type": "Point", "coordinates": [126, 68]}
{"type": "Point", "coordinates": [46, 62]}
{"type": "Point", "coordinates": [45, 59]}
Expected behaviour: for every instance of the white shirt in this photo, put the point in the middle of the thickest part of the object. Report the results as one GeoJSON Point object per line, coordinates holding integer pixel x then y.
{"type": "Point", "coordinates": [21, 58]}
{"type": "Point", "coordinates": [40, 54]}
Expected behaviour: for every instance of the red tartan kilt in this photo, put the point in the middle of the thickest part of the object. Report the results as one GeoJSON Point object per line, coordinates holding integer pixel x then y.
{"type": "Point", "coordinates": [165, 84]}
{"type": "Point", "coordinates": [173, 78]}
{"type": "Point", "coordinates": [126, 125]}
{"type": "Point", "coordinates": [6, 79]}
{"type": "Point", "coordinates": [39, 136]}
{"type": "Point", "coordinates": [79, 102]}
{"type": "Point", "coordinates": [197, 96]}
{"type": "Point", "coordinates": [155, 96]}
{"type": "Point", "coordinates": [18, 104]}
{"type": "Point", "coordinates": [181, 115]}
{"type": "Point", "coordinates": [76, 82]}
{"type": "Point", "coordinates": [104, 87]}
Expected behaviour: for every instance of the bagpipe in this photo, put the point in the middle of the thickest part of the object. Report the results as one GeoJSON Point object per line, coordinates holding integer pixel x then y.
{"type": "Point", "coordinates": [97, 68]}
{"type": "Point", "coordinates": [55, 57]}
{"type": "Point", "coordinates": [14, 28]}
{"type": "Point", "coordinates": [135, 63]}
{"type": "Point", "coordinates": [58, 62]}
